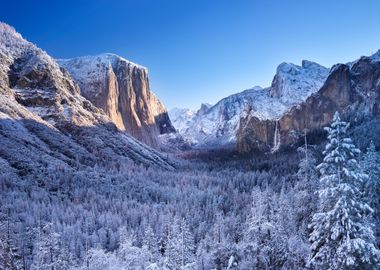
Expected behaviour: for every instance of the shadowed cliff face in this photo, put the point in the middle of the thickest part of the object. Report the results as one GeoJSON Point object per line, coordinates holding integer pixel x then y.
{"type": "Point", "coordinates": [121, 89]}
{"type": "Point", "coordinates": [352, 89]}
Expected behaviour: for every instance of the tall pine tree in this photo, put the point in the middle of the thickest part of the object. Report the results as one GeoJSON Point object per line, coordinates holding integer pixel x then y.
{"type": "Point", "coordinates": [341, 237]}
{"type": "Point", "coordinates": [371, 166]}
{"type": "Point", "coordinates": [180, 249]}
{"type": "Point", "coordinates": [49, 252]}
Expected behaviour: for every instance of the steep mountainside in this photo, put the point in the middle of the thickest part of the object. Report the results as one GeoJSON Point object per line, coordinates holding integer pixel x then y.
{"type": "Point", "coordinates": [46, 124]}
{"type": "Point", "coordinates": [121, 89]}
{"type": "Point", "coordinates": [217, 126]}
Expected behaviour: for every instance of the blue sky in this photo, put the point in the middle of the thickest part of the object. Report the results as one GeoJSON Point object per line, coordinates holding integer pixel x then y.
{"type": "Point", "coordinates": [202, 51]}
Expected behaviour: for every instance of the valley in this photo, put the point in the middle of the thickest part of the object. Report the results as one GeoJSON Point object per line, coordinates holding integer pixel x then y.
{"type": "Point", "coordinates": [96, 173]}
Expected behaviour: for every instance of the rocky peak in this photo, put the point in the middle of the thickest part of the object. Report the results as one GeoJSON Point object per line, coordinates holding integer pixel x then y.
{"type": "Point", "coordinates": [181, 118]}
{"type": "Point", "coordinates": [257, 87]}
{"type": "Point", "coordinates": [204, 108]}
{"type": "Point", "coordinates": [11, 41]}
{"type": "Point", "coordinates": [121, 88]}
{"type": "Point", "coordinates": [293, 82]}
{"type": "Point", "coordinates": [36, 81]}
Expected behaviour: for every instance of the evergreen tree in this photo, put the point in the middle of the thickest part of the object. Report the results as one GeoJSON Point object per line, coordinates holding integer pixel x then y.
{"type": "Point", "coordinates": [341, 236]}
{"type": "Point", "coordinates": [305, 195]}
{"type": "Point", "coordinates": [187, 245]}
{"type": "Point", "coordinates": [260, 228]}
{"type": "Point", "coordinates": [48, 252]}
{"type": "Point", "coordinates": [5, 254]}
{"type": "Point", "coordinates": [172, 251]}
{"type": "Point", "coordinates": [371, 166]}
{"type": "Point", "coordinates": [151, 243]}
{"type": "Point", "coordinates": [180, 249]}
{"type": "Point", "coordinates": [131, 256]}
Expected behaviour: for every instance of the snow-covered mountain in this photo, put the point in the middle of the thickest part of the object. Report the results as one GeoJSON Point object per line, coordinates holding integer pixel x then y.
{"type": "Point", "coordinates": [217, 125]}
{"type": "Point", "coordinates": [46, 123]}
{"type": "Point", "coordinates": [352, 89]}
{"type": "Point", "coordinates": [181, 118]}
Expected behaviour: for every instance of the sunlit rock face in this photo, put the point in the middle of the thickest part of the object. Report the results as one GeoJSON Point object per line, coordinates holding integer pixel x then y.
{"type": "Point", "coordinates": [121, 89]}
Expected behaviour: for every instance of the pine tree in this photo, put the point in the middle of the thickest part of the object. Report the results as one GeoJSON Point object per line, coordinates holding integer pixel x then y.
{"type": "Point", "coordinates": [371, 166]}
{"type": "Point", "coordinates": [180, 249]}
{"type": "Point", "coordinates": [305, 196]}
{"type": "Point", "coordinates": [261, 225]}
{"type": "Point", "coordinates": [187, 245]}
{"type": "Point", "coordinates": [262, 217]}
{"type": "Point", "coordinates": [49, 252]}
{"type": "Point", "coordinates": [172, 251]}
{"type": "Point", "coordinates": [151, 243]}
{"type": "Point", "coordinates": [132, 256]}
{"type": "Point", "coordinates": [5, 254]}
{"type": "Point", "coordinates": [341, 236]}
{"type": "Point", "coordinates": [218, 229]}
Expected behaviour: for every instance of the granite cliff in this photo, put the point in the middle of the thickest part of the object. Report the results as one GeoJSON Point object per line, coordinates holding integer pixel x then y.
{"type": "Point", "coordinates": [121, 89]}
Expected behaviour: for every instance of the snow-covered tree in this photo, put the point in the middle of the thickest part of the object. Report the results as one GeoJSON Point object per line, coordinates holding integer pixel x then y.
{"type": "Point", "coordinates": [172, 251]}
{"type": "Point", "coordinates": [150, 242]}
{"type": "Point", "coordinates": [187, 244]}
{"type": "Point", "coordinates": [100, 260]}
{"type": "Point", "coordinates": [371, 166]}
{"type": "Point", "coordinates": [305, 195]}
{"type": "Point", "coordinates": [180, 247]}
{"type": "Point", "coordinates": [132, 257]}
{"type": "Point", "coordinates": [341, 237]}
{"type": "Point", "coordinates": [261, 227]}
{"type": "Point", "coordinates": [49, 252]}
{"type": "Point", "coordinates": [5, 254]}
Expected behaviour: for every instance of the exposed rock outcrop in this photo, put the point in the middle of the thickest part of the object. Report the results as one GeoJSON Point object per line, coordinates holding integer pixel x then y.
{"type": "Point", "coordinates": [121, 89]}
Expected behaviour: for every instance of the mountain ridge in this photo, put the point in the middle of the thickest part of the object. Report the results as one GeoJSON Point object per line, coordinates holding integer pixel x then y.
{"type": "Point", "coordinates": [218, 126]}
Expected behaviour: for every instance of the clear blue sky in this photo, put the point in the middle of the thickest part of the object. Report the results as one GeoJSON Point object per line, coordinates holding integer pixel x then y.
{"type": "Point", "coordinates": [201, 51]}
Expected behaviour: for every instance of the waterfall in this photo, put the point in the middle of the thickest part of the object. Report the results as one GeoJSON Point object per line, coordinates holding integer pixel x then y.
{"type": "Point", "coordinates": [276, 139]}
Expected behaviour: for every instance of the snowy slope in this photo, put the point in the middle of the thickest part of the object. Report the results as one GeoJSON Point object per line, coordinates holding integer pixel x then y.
{"type": "Point", "coordinates": [217, 126]}
{"type": "Point", "coordinates": [181, 118]}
